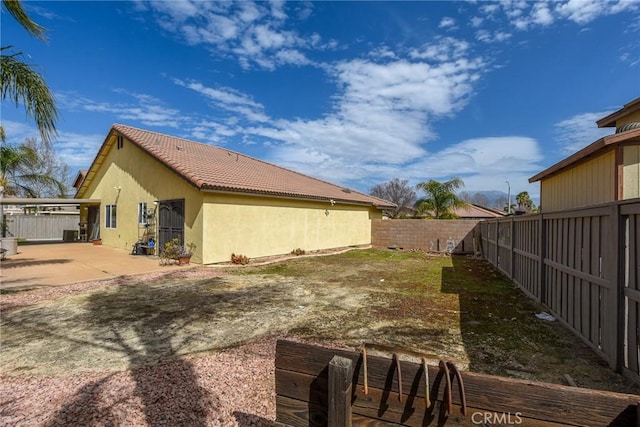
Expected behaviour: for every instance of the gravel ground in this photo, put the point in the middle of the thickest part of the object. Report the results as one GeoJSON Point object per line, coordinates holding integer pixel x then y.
{"type": "Point", "coordinates": [229, 388]}
{"type": "Point", "coordinates": [233, 387]}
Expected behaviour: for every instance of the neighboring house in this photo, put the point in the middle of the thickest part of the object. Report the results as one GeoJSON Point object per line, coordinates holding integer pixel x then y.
{"type": "Point", "coordinates": [477, 212]}
{"type": "Point", "coordinates": [473, 212]}
{"type": "Point", "coordinates": [79, 179]}
{"type": "Point", "coordinates": [605, 171]}
{"type": "Point", "coordinates": [151, 184]}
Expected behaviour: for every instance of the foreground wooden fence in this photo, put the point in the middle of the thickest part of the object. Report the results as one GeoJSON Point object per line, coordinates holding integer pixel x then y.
{"type": "Point", "coordinates": [584, 265]}
{"type": "Point", "coordinates": [317, 386]}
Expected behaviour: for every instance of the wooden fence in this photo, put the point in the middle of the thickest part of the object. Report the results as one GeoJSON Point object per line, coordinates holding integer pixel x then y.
{"type": "Point", "coordinates": [40, 227]}
{"type": "Point", "coordinates": [317, 386]}
{"type": "Point", "coordinates": [584, 265]}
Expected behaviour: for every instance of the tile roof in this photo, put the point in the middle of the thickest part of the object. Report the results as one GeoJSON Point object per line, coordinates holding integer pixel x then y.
{"type": "Point", "coordinates": [476, 211]}
{"type": "Point", "coordinates": [218, 169]}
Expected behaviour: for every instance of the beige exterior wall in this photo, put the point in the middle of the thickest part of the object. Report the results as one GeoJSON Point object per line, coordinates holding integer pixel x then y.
{"type": "Point", "coordinates": [261, 226]}
{"type": "Point", "coordinates": [631, 171]}
{"type": "Point", "coordinates": [633, 117]}
{"type": "Point", "coordinates": [142, 179]}
{"type": "Point", "coordinates": [589, 183]}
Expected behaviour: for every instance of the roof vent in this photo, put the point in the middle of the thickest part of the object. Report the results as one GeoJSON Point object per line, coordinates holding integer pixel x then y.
{"type": "Point", "coordinates": [346, 190]}
{"type": "Point", "coordinates": [179, 148]}
{"type": "Point", "coordinates": [628, 126]}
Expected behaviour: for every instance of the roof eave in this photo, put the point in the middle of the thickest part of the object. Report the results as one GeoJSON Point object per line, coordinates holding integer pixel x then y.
{"type": "Point", "coordinates": [289, 196]}
{"type": "Point", "coordinates": [587, 151]}
{"type": "Point", "coordinates": [610, 120]}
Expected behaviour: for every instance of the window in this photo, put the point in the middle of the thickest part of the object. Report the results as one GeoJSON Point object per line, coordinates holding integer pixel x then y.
{"type": "Point", "coordinates": [142, 213]}
{"type": "Point", "coordinates": [110, 218]}
{"type": "Point", "coordinates": [120, 141]}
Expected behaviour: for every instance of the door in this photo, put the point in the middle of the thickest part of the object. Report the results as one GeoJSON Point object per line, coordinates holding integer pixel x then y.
{"type": "Point", "coordinates": [170, 222]}
{"type": "Point", "coordinates": [93, 222]}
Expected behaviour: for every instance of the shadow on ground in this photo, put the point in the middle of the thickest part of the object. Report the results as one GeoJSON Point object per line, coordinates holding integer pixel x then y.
{"type": "Point", "coordinates": [31, 262]}
{"type": "Point", "coordinates": [166, 386]}
{"type": "Point", "coordinates": [502, 335]}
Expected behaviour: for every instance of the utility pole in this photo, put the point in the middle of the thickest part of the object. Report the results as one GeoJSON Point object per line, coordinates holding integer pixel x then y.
{"type": "Point", "coordinates": [508, 198]}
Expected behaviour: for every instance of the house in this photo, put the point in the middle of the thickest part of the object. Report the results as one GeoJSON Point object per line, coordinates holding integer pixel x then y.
{"type": "Point", "coordinates": [604, 171]}
{"type": "Point", "coordinates": [476, 212]}
{"type": "Point", "coordinates": [158, 187]}
{"type": "Point", "coordinates": [469, 211]}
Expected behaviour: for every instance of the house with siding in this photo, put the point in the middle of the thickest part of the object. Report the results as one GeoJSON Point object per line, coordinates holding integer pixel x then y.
{"type": "Point", "coordinates": [605, 171]}
{"type": "Point", "coordinates": [156, 186]}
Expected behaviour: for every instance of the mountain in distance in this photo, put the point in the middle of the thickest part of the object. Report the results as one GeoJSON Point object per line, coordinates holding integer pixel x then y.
{"type": "Point", "coordinates": [490, 199]}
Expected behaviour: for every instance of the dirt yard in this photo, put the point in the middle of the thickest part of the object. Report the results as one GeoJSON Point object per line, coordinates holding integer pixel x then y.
{"type": "Point", "coordinates": [141, 330]}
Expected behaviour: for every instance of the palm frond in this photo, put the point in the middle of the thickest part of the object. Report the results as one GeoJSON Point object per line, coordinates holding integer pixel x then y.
{"type": "Point", "coordinates": [14, 7]}
{"type": "Point", "coordinates": [20, 83]}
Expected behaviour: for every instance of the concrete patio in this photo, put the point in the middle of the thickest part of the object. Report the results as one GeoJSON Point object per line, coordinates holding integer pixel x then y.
{"type": "Point", "coordinates": [57, 264]}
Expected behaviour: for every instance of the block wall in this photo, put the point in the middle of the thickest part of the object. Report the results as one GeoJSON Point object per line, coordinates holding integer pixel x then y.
{"type": "Point", "coordinates": [446, 235]}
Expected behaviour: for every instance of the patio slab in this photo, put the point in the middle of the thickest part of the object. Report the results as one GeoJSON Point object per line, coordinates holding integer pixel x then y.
{"type": "Point", "coordinates": [57, 264]}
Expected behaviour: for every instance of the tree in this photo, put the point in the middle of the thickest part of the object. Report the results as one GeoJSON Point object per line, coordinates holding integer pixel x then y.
{"type": "Point", "coordinates": [21, 84]}
{"type": "Point", "coordinates": [32, 169]}
{"type": "Point", "coordinates": [440, 198]}
{"type": "Point", "coordinates": [525, 204]}
{"type": "Point", "coordinates": [48, 175]}
{"type": "Point", "coordinates": [397, 191]}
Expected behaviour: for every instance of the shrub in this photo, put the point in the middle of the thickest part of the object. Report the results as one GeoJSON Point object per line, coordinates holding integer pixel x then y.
{"type": "Point", "coordinates": [298, 252]}
{"type": "Point", "coordinates": [239, 259]}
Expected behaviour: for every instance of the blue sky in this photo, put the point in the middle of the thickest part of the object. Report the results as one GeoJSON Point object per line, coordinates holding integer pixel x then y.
{"type": "Point", "coordinates": [355, 93]}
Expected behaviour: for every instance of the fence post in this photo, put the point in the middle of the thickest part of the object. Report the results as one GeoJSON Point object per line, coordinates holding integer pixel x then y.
{"type": "Point", "coordinates": [619, 285]}
{"type": "Point", "coordinates": [612, 309]}
{"type": "Point", "coordinates": [340, 377]}
{"type": "Point", "coordinates": [512, 237]}
{"type": "Point", "coordinates": [542, 250]}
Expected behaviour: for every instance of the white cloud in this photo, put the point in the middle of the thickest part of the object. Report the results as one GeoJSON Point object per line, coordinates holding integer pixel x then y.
{"type": "Point", "coordinates": [526, 15]}
{"type": "Point", "coordinates": [448, 23]}
{"type": "Point", "coordinates": [476, 21]}
{"type": "Point", "coordinates": [580, 130]}
{"type": "Point", "coordinates": [443, 50]}
{"type": "Point", "coordinates": [486, 36]}
{"type": "Point", "coordinates": [382, 113]}
{"type": "Point", "coordinates": [292, 56]}
{"type": "Point", "coordinates": [147, 110]}
{"type": "Point", "coordinates": [228, 99]}
{"type": "Point", "coordinates": [383, 52]}
{"type": "Point", "coordinates": [76, 150]}
{"type": "Point", "coordinates": [257, 34]}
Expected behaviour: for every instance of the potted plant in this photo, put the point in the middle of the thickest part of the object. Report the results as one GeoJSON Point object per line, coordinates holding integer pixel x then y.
{"type": "Point", "coordinates": [170, 251]}
{"type": "Point", "coordinates": [174, 251]}
{"type": "Point", "coordinates": [184, 257]}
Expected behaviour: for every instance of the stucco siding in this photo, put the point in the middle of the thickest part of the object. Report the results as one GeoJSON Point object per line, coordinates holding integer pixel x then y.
{"type": "Point", "coordinates": [589, 183]}
{"type": "Point", "coordinates": [631, 172]}
{"type": "Point", "coordinates": [261, 226]}
{"type": "Point", "coordinates": [141, 179]}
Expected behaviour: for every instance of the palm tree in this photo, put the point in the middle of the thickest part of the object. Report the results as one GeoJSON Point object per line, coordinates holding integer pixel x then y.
{"type": "Point", "coordinates": [524, 201]}
{"type": "Point", "coordinates": [20, 174]}
{"type": "Point", "coordinates": [21, 84]}
{"type": "Point", "coordinates": [440, 198]}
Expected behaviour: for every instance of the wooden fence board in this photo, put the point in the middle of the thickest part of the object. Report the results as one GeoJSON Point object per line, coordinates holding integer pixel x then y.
{"type": "Point", "coordinates": [632, 337]}
{"type": "Point", "coordinates": [578, 263]}
{"type": "Point", "coordinates": [578, 280]}
{"type": "Point", "coordinates": [538, 401]}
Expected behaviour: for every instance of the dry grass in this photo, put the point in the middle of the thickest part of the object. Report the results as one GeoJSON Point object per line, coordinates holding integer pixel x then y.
{"type": "Point", "coordinates": [457, 308]}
